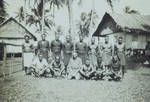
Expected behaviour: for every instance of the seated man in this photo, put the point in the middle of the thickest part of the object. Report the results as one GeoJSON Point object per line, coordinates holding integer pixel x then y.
{"type": "Point", "coordinates": [39, 66]}
{"type": "Point", "coordinates": [74, 67]}
{"type": "Point", "coordinates": [116, 68]}
{"type": "Point", "coordinates": [87, 71]}
{"type": "Point", "coordinates": [99, 69]}
{"type": "Point", "coordinates": [57, 67]}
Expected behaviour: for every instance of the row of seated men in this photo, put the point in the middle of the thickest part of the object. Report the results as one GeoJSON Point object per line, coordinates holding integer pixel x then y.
{"type": "Point", "coordinates": [97, 56]}
{"type": "Point", "coordinates": [75, 69]}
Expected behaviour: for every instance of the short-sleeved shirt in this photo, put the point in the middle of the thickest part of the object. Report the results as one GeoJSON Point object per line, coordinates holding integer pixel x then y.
{"type": "Point", "coordinates": [68, 47]}
{"type": "Point", "coordinates": [93, 48]}
{"type": "Point", "coordinates": [27, 47]}
{"type": "Point", "coordinates": [39, 64]}
{"type": "Point", "coordinates": [43, 45]}
{"type": "Point", "coordinates": [81, 47]}
{"type": "Point", "coordinates": [120, 47]}
{"type": "Point", "coordinates": [107, 47]}
{"type": "Point", "coordinates": [75, 63]}
{"type": "Point", "coordinates": [56, 46]}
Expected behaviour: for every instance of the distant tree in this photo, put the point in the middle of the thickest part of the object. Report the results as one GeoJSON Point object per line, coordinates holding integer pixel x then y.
{"type": "Point", "coordinates": [110, 3]}
{"type": "Point", "coordinates": [3, 13]}
{"type": "Point", "coordinates": [38, 15]}
{"type": "Point", "coordinates": [87, 20]}
{"type": "Point", "coordinates": [128, 10]}
{"type": "Point", "coordinates": [20, 14]}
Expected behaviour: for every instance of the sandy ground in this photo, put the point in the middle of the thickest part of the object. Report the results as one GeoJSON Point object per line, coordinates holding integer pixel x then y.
{"type": "Point", "coordinates": [18, 87]}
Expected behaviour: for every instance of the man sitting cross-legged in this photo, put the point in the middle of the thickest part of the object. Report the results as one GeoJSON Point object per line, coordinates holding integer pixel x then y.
{"type": "Point", "coordinates": [87, 71]}
{"type": "Point", "coordinates": [99, 69]}
{"type": "Point", "coordinates": [74, 67]}
{"type": "Point", "coordinates": [116, 68]}
{"type": "Point", "coordinates": [57, 67]}
{"type": "Point", "coordinates": [39, 66]}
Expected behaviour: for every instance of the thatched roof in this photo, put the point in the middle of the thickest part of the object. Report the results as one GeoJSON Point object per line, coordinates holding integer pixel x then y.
{"type": "Point", "coordinates": [12, 29]}
{"type": "Point", "coordinates": [126, 23]}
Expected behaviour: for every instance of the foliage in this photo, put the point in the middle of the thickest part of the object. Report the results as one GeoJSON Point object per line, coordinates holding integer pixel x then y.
{"type": "Point", "coordinates": [35, 18]}
{"type": "Point", "coordinates": [3, 13]}
{"type": "Point", "coordinates": [87, 20]}
{"type": "Point", "coordinates": [20, 14]}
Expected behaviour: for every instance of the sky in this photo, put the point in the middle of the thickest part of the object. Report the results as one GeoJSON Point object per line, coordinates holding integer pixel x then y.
{"type": "Point", "coordinates": [100, 6]}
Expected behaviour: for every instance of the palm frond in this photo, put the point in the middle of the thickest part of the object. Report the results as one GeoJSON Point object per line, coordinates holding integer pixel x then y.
{"type": "Point", "coordinates": [110, 4]}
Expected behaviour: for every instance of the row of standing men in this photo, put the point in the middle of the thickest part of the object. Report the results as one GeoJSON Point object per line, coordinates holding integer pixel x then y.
{"type": "Point", "coordinates": [98, 56]}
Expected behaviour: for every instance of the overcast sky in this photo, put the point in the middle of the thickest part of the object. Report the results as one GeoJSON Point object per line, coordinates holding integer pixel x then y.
{"type": "Point", "coordinates": [100, 6]}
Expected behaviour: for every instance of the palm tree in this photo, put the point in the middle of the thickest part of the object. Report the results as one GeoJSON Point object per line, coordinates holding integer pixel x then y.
{"type": "Point", "coordinates": [3, 13]}
{"type": "Point", "coordinates": [110, 3]}
{"type": "Point", "coordinates": [39, 17]}
{"type": "Point", "coordinates": [21, 14]}
{"type": "Point", "coordinates": [86, 22]}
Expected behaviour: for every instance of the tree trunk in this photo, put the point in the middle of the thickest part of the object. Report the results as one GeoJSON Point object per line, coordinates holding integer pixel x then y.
{"type": "Point", "coordinates": [43, 17]}
{"type": "Point", "coordinates": [70, 20]}
{"type": "Point", "coordinates": [70, 15]}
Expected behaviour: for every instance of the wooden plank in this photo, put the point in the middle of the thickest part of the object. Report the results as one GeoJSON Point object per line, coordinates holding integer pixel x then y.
{"type": "Point", "coordinates": [4, 61]}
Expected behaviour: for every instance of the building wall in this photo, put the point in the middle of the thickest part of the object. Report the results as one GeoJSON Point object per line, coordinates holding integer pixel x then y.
{"type": "Point", "coordinates": [12, 65]}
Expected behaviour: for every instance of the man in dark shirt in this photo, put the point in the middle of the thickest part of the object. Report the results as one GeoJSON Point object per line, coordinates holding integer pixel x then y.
{"type": "Point", "coordinates": [43, 47]}
{"type": "Point", "coordinates": [81, 49]}
{"type": "Point", "coordinates": [67, 50]}
{"type": "Point", "coordinates": [56, 47]}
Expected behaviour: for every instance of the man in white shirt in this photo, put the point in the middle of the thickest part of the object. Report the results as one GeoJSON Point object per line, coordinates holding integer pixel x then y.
{"type": "Point", "coordinates": [74, 67]}
{"type": "Point", "coordinates": [40, 66]}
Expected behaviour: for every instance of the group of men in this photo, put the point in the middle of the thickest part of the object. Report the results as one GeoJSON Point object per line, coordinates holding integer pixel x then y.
{"type": "Point", "coordinates": [79, 61]}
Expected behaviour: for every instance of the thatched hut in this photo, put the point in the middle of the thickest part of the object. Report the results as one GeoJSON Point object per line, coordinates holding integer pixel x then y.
{"type": "Point", "coordinates": [134, 28]}
{"type": "Point", "coordinates": [11, 38]}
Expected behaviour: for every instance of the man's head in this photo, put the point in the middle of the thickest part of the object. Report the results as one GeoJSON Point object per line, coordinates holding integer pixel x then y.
{"type": "Point", "coordinates": [57, 59]}
{"type": "Point", "coordinates": [40, 56]}
{"type": "Point", "coordinates": [68, 38]}
{"type": "Point", "coordinates": [81, 38]}
{"type": "Point", "coordinates": [120, 39]}
{"type": "Point", "coordinates": [106, 39]}
{"type": "Point", "coordinates": [75, 55]}
{"type": "Point", "coordinates": [87, 62]}
{"type": "Point", "coordinates": [43, 36]}
{"type": "Point", "coordinates": [26, 37]}
{"type": "Point", "coordinates": [92, 40]}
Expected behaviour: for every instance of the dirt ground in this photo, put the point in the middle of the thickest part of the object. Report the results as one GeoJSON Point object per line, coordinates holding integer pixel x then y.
{"type": "Point", "coordinates": [18, 87]}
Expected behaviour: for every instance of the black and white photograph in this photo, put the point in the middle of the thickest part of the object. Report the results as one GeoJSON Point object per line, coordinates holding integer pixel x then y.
{"type": "Point", "coordinates": [74, 50]}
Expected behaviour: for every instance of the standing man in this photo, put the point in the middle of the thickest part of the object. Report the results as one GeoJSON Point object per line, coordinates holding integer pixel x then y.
{"type": "Point", "coordinates": [120, 50]}
{"type": "Point", "coordinates": [92, 49]}
{"type": "Point", "coordinates": [67, 50]}
{"type": "Point", "coordinates": [56, 47]}
{"type": "Point", "coordinates": [43, 47]}
{"type": "Point", "coordinates": [27, 48]}
{"type": "Point", "coordinates": [81, 49]}
{"type": "Point", "coordinates": [107, 54]}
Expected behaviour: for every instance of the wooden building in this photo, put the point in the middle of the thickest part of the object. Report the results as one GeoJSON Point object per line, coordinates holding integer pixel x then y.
{"type": "Point", "coordinates": [11, 38]}
{"type": "Point", "coordinates": [134, 28]}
